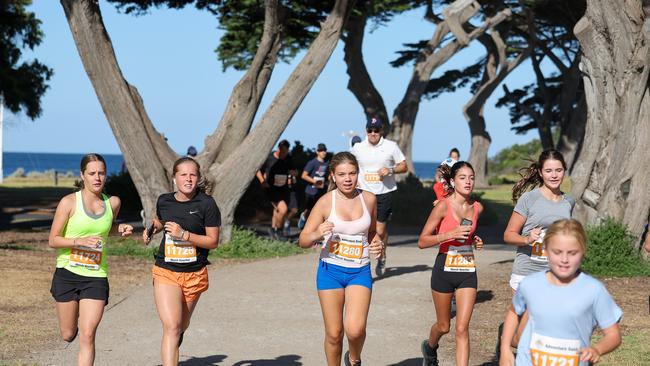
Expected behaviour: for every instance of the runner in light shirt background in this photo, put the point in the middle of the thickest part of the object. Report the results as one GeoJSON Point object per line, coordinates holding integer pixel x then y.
{"type": "Point", "coordinates": [379, 160]}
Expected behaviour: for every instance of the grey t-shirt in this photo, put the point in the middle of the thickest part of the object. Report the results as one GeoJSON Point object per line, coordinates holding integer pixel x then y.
{"type": "Point", "coordinates": [538, 212]}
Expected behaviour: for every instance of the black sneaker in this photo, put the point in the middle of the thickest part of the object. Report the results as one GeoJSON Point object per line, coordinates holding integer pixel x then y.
{"type": "Point", "coordinates": [429, 355]}
{"type": "Point", "coordinates": [273, 234]}
{"type": "Point", "coordinates": [380, 268]}
{"type": "Point", "coordinates": [346, 359]}
{"type": "Point", "coordinates": [497, 351]}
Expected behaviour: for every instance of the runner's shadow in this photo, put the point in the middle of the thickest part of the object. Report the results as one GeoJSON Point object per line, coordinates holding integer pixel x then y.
{"type": "Point", "coordinates": [484, 296]}
{"type": "Point", "coordinates": [398, 271]}
{"type": "Point", "coordinates": [286, 360]}
{"type": "Point", "coordinates": [409, 362]}
{"type": "Point", "coordinates": [202, 361]}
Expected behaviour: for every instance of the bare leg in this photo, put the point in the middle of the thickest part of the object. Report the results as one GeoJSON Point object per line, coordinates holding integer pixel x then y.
{"type": "Point", "coordinates": [90, 314]}
{"type": "Point", "coordinates": [442, 305]}
{"type": "Point", "coordinates": [169, 303]}
{"type": "Point", "coordinates": [465, 299]}
{"type": "Point", "coordinates": [68, 315]}
{"type": "Point", "coordinates": [523, 320]}
{"type": "Point", "coordinates": [357, 305]}
{"type": "Point", "coordinates": [331, 303]}
{"type": "Point", "coordinates": [280, 210]}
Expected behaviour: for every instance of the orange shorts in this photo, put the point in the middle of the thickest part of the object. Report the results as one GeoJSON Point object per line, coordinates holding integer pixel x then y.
{"type": "Point", "coordinates": [191, 283]}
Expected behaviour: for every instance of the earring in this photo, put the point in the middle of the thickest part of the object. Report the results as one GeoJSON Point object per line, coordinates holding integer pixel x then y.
{"type": "Point", "coordinates": [333, 179]}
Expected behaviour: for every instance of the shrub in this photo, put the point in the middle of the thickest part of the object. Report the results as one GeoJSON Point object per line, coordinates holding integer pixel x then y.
{"type": "Point", "coordinates": [611, 251]}
{"type": "Point", "coordinates": [412, 202]}
{"type": "Point", "coordinates": [129, 247]}
{"type": "Point", "coordinates": [511, 159]}
{"type": "Point", "coordinates": [121, 185]}
{"type": "Point", "coordinates": [245, 243]}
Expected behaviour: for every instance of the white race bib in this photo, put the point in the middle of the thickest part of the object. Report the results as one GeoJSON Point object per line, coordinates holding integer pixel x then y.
{"type": "Point", "coordinates": [372, 178]}
{"type": "Point", "coordinates": [538, 252]}
{"type": "Point", "coordinates": [549, 351]}
{"type": "Point", "coordinates": [349, 248]}
{"type": "Point", "coordinates": [280, 180]}
{"type": "Point", "coordinates": [89, 258]}
{"type": "Point", "coordinates": [179, 251]}
{"type": "Point", "coordinates": [460, 259]}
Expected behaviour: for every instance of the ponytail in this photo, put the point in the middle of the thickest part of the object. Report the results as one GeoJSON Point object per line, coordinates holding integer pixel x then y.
{"type": "Point", "coordinates": [530, 175]}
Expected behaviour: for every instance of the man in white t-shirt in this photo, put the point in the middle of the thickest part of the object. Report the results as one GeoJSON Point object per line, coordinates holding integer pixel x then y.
{"type": "Point", "coordinates": [379, 160]}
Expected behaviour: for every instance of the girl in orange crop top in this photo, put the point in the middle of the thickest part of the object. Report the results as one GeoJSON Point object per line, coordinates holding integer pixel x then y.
{"type": "Point", "coordinates": [451, 226]}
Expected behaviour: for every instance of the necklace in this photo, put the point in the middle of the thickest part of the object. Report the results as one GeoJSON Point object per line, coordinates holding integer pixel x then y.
{"type": "Point", "coordinates": [356, 193]}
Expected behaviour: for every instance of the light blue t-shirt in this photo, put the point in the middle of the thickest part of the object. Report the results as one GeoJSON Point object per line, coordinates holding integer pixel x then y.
{"type": "Point", "coordinates": [562, 318]}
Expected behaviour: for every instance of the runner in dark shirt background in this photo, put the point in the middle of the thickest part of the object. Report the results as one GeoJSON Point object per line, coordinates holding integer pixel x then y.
{"type": "Point", "coordinates": [315, 174]}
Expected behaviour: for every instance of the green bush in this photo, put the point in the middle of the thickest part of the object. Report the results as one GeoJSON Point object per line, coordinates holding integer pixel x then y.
{"type": "Point", "coordinates": [246, 244]}
{"type": "Point", "coordinates": [129, 247]}
{"type": "Point", "coordinates": [509, 160]}
{"type": "Point", "coordinates": [412, 202]}
{"type": "Point", "coordinates": [611, 251]}
{"type": "Point", "coordinates": [122, 186]}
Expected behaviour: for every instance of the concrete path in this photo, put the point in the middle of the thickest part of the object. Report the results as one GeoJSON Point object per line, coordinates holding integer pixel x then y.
{"type": "Point", "coordinates": [267, 313]}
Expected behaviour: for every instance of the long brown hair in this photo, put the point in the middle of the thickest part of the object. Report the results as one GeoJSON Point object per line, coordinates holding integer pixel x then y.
{"type": "Point", "coordinates": [88, 158]}
{"type": "Point", "coordinates": [338, 159]}
{"type": "Point", "coordinates": [530, 175]}
{"type": "Point", "coordinates": [203, 184]}
{"type": "Point", "coordinates": [449, 173]}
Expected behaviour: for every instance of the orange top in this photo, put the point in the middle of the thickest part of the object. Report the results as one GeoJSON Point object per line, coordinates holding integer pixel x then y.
{"type": "Point", "coordinates": [449, 223]}
{"type": "Point", "coordinates": [439, 189]}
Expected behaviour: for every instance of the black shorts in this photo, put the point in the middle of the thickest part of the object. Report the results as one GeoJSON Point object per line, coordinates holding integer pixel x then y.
{"type": "Point", "coordinates": [293, 200]}
{"type": "Point", "coordinates": [448, 282]}
{"type": "Point", "coordinates": [68, 286]}
{"type": "Point", "coordinates": [277, 194]}
{"type": "Point", "coordinates": [311, 199]}
{"type": "Point", "coordinates": [384, 206]}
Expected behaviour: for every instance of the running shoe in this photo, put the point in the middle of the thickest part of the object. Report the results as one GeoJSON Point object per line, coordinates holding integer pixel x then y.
{"type": "Point", "coordinates": [286, 228]}
{"type": "Point", "coordinates": [273, 234]}
{"type": "Point", "coordinates": [381, 266]}
{"type": "Point", "coordinates": [302, 221]}
{"type": "Point", "coordinates": [347, 360]}
{"type": "Point", "coordinates": [429, 355]}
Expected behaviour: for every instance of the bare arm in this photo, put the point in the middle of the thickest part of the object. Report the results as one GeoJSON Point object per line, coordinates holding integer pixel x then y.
{"type": "Point", "coordinates": [305, 176]}
{"type": "Point", "coordinates": [610, 341]}
{"type": "Point", "coordinates": [121, 229]}
{"type": "Point", "coordinates": [400, 167]}
{"type": "Point", "coordinates": [428, 236]}
{"type": "Point", "coordinates": [64, 211]}
{"type": "Point", "coordinates": [260, 177]}
{"type": "Point", "coordinates": [509, 327]}
{"type": "Point", "coordinates": [512, 234]}
{"type": "Point", "coordinates": [317, 225]}
{"type": "Point", "coordinates": [208, 241]}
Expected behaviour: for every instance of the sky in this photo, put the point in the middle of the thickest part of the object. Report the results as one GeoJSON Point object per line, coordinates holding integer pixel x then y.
{"type": "Point", "coordinates": [169, 56]}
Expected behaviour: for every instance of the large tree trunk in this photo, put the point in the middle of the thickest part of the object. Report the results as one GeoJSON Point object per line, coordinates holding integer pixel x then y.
{"type": "Point", "coordinates": [360, 83]}
{"type": "Point", "coordinates": [612, 174]}
{"type": "Point", "coordinates": [431, 58]}
{"type": "Point", "coordinates": [147, 154]}
{"type": "Point", "coordinates": [497, 68]}
{"type": "Point", "coordinates": [233, 176]}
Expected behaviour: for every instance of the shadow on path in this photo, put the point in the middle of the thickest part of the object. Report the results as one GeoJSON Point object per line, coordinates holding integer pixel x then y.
{"type": "Point", "coordinates": [484, 296]}
{"type": "Point", "coordinates": [398, 271]}
{"type": "Point", "coordinates": [286, 360]}
{"type": "Point", "coordinates": [199, 361]}
{"type": "Point", "coordinates": [409, 362]}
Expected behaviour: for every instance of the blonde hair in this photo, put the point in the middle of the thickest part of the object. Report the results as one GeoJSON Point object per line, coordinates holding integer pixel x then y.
{"type": "Point", "coordinates": [568, 227]}
{"type": "Point", "coordinates": [338, 159]}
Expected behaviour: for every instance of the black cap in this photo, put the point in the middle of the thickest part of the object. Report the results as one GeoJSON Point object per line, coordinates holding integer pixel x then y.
{"type": "Point", "coordinates": [355, 140]}
{"type": "Point", "coordinates": [284, 143]}
{"type": "Point", "coordinates": [191, 151]}
{"type": "Point", "coordinates": [374, 123]}
{"type": "Point", "coordinates": [321, 147]}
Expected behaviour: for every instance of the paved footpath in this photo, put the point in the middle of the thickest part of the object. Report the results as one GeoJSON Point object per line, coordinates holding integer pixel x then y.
{"type": "Point", "coordinates": [266, 313]}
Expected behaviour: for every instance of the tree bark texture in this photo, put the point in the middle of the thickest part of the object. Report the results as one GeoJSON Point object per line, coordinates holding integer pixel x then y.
{"type": "Point", "coordinates": [360, 83]}
{"type": "Point", "coordinates": [431, 57]}
{"type": "Point", "coordinates": [236, 172]}
{"type": "Point", "coordinates": [145, 151]}
{"type": "Point", "coordinates": [612, 174]}
{"type": "Point", "coordinates": [497, 69]}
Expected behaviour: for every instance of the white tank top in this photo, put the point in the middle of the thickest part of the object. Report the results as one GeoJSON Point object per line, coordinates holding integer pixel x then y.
{"type": "Point", "coordinates": [348, 244]}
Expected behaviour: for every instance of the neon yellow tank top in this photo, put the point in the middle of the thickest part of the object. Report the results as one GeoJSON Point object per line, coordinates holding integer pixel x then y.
{"type": "Point", "coordinates": [81, 260]}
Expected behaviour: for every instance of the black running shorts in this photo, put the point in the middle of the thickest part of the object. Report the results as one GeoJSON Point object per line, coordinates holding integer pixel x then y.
{"type": "Point", "coordinates": [384, 206]}
{"type": "Point", "coordinates": [448, 282]}
{"type": "Point", "coordinates": [68, 286]}
{"type": "Point", "coordinates": [277, 194]}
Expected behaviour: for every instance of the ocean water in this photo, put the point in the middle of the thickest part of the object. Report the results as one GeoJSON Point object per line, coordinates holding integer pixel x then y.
{"type": "Point", "coordinates": [40, 162]}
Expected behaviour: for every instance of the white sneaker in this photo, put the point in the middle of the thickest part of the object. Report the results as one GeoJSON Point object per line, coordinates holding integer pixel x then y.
{"type": "Point", "coordinates": [286, 229]}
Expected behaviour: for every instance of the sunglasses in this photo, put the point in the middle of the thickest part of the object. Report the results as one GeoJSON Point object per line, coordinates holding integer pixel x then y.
{"type": "Point", "coordinates": [373, 130]}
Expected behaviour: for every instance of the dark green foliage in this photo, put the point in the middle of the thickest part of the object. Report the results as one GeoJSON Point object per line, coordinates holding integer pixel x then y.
{"type": "Point", "coordinates": [121, 185]}
{"type": "Point", "coordinates": [22, 84]}
{"type": "Point", "coordinates": [511, 159]}
{"type": "Point", "coordinates": [245, 244]}
{"type": "Point", "coordinates": [452, 80]}
{"type": "Point", "coordinates": [611, 251]}
{"type": "Point", "coordinates": [412, 202]}
{"type": "Point", "coordinates": [130, 247]}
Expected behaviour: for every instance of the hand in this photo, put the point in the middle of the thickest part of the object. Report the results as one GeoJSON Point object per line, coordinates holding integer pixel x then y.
{"type": "Point", "coordinates": [478, 242]}
{"type": "Point", "coordinates": [265, 185]}
{"type": "Point", "coordinates": [384, 172]}
{"type": "Point", "coordinates": [533, 235]}
{"type": "Point", "coordinates": [377, 247]}
{"type": "Point", "coordinates": [507, 358]}
{"type": "Point", "coordinates": [325, 229]}
{"type": "Point", "coordinates": [319, 184]}
{"type": "Point", "coordinates": [125, 229]}
{"type": "Point", "coordinates": [89, 241]}
{"type": "Point", "coordinates": [460, 232]}
{"type": "Point", "coordinates": [146, 237]}
{"type": "Point", "coordinates": [174, 229]}
{"type": "Point", "coordinates": [589, 354]}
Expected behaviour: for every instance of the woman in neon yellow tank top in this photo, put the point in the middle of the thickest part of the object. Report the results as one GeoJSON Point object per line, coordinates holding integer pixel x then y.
{"type": "Point", "coordinates": [81, 225]}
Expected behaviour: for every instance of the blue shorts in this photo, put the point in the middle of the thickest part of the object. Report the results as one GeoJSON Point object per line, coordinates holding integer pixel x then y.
{"type": "Point", "coordinates": [331, 276]}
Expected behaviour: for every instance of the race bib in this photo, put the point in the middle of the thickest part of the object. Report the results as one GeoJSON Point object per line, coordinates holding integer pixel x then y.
{"type": "Point", "coordinates": [460, 259]}
{"type": "Point", "coordinates": [280, 180]}
{"type": "Point", "coordinates": [372, 178]}
{"type": "Point", "coordinates": [347, 247]}
{"type": "Point", "coordinates": [549, 351]}
{"type": "Point", "coordinates": [179, 251]}
{"type": "Point", "coordinates": [89, 258]}
{"type": "Point", "coordinates": [538, 253]}
{"type": "Point", "coordinates": [319, 182]}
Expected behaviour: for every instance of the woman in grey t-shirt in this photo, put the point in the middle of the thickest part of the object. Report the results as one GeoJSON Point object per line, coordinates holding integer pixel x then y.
{"type": "Point", "coordinates": [534, 211]}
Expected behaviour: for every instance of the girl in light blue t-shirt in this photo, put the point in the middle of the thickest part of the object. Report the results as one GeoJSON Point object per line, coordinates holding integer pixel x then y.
{"type": "Point", "coordinates": [564, 306]}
